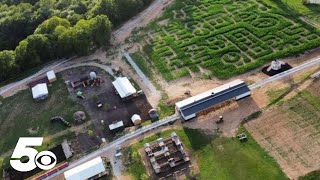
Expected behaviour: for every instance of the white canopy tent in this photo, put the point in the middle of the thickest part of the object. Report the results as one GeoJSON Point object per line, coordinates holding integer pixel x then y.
{"type": "Point", "coordinates": [40, 92]}
{"type": "Point", "coordinates": [124, 87]}
{"type": "Point", "coordinates": [86, 170]}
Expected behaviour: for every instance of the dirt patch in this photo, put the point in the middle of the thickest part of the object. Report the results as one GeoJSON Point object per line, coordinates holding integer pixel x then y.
{"type": "Point", "coordinates": [290, 137]}
{"type": "Point", "coordinates": [315, 88]}
{"type": "Point", "coordinates": [114, 108]}
{"type": "Point", "coordinates": [233, 115]}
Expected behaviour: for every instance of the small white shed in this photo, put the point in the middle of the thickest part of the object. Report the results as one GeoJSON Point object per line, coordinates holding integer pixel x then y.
{"type": "Point", "coordinates": [136, 119]}
{"type": "Point", "coordinates": [51, 75]}
{"type": "Point", "coordinates": [116, 125]}
{"type": "Point", "coordinates": [40, 92]}
{"type": "Point", "coordinates": [124, 87]}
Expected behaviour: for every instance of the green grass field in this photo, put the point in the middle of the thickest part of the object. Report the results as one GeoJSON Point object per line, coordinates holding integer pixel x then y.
{"type": "Point", "coordinates": [226, 37]}
{"type": "Point", "coordinates": [220, 157]}
{"type": "Point", "coordinates": [20, 116]}
{"type": "Point", "coordinates": [309, 112]}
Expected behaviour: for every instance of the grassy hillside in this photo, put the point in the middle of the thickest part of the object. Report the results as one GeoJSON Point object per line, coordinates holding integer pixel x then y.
{"type": "Point", "coordinates": [20, 116]}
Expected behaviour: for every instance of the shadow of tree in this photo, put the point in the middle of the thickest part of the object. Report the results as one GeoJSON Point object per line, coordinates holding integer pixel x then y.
{"type": "Point", "coordinates": [197, 139]}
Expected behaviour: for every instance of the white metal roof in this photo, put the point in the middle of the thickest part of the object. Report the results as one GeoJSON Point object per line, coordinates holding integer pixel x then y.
{"type": "Point", "coordinates": [208, 93]}
{"type": "Point", "coordinates": [51, 75]}
{"type": "Point", "coordinates": [116, 125]}
{"type": "Point", "coordinates": [124, 87]}
{"type": "Point", "coordinates": [85, 170]}
{"type": "Point", "coordinates": [39, 90]}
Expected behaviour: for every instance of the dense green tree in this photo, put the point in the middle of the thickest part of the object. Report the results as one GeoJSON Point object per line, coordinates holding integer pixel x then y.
{"type": "Point", "coordinates": [42, 30]}
{"type": "Point", "coordinates": [15, 26]}
{"type": "Point", "coordinates": [82, 39]}
{"type": "Point", "coordinates": [106, 7]}
{"type": "Point", "coordinates": [65, 41]}
{"type": "Point", "coordinates": [79, 8]}
{"type": "Point", "coordinates": [49, 26]}
{"type": "Point", "coordinates": [7, 64]}
{"type": "Point", "coordinates": [128, 8]}
{"type": "Point", "coordinates": [33, 51]}
{"type": "Point", "coordinates": [101, 30]}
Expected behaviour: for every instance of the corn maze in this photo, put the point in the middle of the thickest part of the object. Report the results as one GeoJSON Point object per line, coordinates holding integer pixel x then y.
{"type": "Point", "coordinates": [226, 37]}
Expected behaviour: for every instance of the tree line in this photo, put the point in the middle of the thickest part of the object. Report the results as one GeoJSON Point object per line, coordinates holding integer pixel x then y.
{"type": "Point", "coordinates": [33, 32]}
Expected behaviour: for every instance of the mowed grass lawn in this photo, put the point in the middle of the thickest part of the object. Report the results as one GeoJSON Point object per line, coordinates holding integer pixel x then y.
{"type": "Point", "coordinates": [20, 116]}
{"type": "Point", "coordinates": [222, 158]}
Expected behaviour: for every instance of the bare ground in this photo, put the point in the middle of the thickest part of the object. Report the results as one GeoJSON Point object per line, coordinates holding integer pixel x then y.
{"type": "Point", "coordinates": [291, 140]}
{"type": "Point", "coordinates": [233, 115]}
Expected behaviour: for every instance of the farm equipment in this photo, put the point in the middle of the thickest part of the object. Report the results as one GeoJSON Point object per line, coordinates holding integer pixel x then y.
{"type": "Point", "coordinates": [60, 119]}
{"type": "Point", "coordinates": [242, 137]}
{"type": "Point", "coordinates": [80, 95]}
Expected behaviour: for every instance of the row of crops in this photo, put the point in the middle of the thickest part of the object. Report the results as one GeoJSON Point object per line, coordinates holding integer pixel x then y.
{"type": "Point", "coordinates": [224, 36]}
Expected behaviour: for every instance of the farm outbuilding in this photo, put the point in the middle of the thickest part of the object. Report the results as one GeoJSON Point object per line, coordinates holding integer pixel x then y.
{"type": "Point", "coordinates": [116, 126]}
{"type": "Point", "coordinates": [51, 75]}
{"type": "Point", "coordinates": [189, 108]}
{"type": "Point", "coordinates": [86, 170]}
{"type": "Point", "coordinates": [124, 87]}
{"type": "Point", "coordinates": [40, 92]}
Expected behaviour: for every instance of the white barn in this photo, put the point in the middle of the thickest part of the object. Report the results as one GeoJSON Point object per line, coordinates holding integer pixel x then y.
{"type": "Point", "coordinates": [40, 92]}
{"type": "Point", "coordinates": [86, 170]}
{"type": "Point", "coordinates": [189, 108]}
{"type": "Point", "coordinates": [124, 87]}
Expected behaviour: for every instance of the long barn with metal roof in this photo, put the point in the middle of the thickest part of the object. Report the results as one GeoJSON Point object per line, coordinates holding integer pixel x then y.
{"type": "Point", "coordinates": [189, 108]}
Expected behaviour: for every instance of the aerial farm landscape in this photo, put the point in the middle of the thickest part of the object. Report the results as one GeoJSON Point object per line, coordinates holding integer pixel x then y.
{"type": "Point", "coordinates": [160, 89]}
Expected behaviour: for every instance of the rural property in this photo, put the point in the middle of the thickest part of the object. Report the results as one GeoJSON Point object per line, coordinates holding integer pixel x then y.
{"type": "Point", "coordinates": [160, 89]}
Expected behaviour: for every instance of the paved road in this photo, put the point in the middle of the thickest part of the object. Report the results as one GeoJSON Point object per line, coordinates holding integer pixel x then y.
{"type": "Point", "coordinates": [143, 77]}
{"type": "Point", "coordinates": [284, 74]}
{"type": "Point", "coordinates": [117, 143]}
{"type": "Point", "coordinates": [106, 68]}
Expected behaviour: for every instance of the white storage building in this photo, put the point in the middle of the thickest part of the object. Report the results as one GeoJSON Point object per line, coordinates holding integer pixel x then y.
{"type": "Point", "coordinates": [40, 92]}
{"type": "Point", "coordinates": [124, 87]}
{"type": "Point", "coordinates": [116, 125]}
{"type": "Point", "coordinates": [86, 170]}
{"type": "Point", "coordinates": [51, 75]}
{"type": "Point", "coordinates": [189, 108]}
